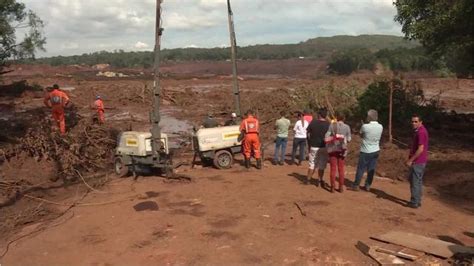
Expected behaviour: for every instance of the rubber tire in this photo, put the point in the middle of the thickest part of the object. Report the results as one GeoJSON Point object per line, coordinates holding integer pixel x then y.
{"type": "Point", "coordinates": [120, 169]}
{"type": "Point", "coordinates": [223, 159]}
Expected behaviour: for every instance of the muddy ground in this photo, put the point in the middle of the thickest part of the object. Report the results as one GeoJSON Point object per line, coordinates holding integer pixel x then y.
{"type": "Point", "coordinates": [221, 216]}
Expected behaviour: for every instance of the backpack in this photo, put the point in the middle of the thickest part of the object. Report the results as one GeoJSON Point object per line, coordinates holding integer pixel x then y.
{"type": "Point", "coordinates": [335, 143]}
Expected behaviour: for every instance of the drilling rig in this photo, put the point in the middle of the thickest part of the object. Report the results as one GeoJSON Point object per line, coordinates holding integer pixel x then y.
{"type": "Point", "coordinates": [138, 150]}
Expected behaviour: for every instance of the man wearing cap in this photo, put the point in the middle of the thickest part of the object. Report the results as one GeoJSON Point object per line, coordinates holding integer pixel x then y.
{"type": "Point", "coordinates": [99, 106]}
{"type": "Point", "coordinates": [57, 100]}
{"type": "Point", "coordinates": [232, 121]}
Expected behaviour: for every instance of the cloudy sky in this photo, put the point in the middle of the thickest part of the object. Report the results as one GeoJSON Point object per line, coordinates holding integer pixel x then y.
{"type": "Point", "coordinates": [82, 26]}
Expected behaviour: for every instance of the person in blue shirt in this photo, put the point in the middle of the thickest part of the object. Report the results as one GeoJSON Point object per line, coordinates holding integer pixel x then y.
{"type": "Point", "coordinates": [371, 133]}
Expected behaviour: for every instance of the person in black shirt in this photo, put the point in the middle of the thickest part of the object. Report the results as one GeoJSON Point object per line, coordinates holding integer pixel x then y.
{"type": "Point", "coordinates": [318, 156]}
{"type": "Point", "coordinates": [209, 121]}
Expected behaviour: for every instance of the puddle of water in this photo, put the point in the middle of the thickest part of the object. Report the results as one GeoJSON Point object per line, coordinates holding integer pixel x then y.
{"type": "Point", "coordinates": [174, 128]}
{"type": "Point", "coordinates": [171, 125]}
{"type": "Point", "coordinates": [152, 194]}
{"type": "Point", "coordinates": [146, 206]}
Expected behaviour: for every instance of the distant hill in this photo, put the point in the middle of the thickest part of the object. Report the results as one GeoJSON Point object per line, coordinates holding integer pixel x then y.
{"type": "Point", "coordinates": [318, 48]}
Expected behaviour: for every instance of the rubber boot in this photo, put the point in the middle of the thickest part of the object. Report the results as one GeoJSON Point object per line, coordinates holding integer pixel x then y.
{"type": "Point", "coordinates": [259, 163]}
{"type": "Point", "coordinates": [247, 163]}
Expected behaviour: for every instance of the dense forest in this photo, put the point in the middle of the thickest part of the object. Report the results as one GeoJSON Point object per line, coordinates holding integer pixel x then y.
{"type": "Point", "coordinates": [321, 47]}
{"type": "Point", "coordinates": [344, 54]}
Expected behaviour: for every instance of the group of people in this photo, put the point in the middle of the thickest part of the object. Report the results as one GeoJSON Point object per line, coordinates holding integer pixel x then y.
{"type": "Point", "coordinates": [58, 100]}
{"type": "Point", "coordinates": [328, 140]}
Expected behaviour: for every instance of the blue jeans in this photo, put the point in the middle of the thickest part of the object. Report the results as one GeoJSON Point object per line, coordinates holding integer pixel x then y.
{"type": "Point", "coordinates": [367, 162]}
{"type": "Point", "coordinates": [301, 143]}
{"type": "Point", "coordinates": [280, 144]}
{"type": "Point", "coordinates": [416, 183]}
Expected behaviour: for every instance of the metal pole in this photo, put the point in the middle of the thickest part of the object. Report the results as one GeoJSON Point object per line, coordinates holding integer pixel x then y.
{"type": "Point", "coordinates": [233, 44]}
{"type": "Point", "coordinates": [155, 114]}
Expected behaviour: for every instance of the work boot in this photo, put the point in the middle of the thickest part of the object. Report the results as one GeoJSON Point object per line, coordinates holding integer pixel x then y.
{"type": "Point", "coordinates": [247, 163]}
{"type": "Point", "coordinates": [259, 163]}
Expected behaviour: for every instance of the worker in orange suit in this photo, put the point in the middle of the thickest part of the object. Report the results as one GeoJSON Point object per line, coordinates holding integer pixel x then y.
{"type": "Point", "coordinates": [99, 106]}
{"type": "Point", "coordinates": [57, 100]}
{"type": "Point", "coordinates": [250, 128]}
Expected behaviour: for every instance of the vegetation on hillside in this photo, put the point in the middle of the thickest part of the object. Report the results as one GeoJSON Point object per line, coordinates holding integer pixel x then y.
{"type": "Point", "coordinates": [399, 59]}
{"type": "Point", "coordinates": [319, 48]}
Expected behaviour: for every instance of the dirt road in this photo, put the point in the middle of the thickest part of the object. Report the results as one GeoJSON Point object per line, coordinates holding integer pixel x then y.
{"type": "Point", "coordinates": [233, 216]}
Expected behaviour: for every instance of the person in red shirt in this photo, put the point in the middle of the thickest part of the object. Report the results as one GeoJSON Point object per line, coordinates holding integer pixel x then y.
{"type": "Point", "coordinates": [250, 127]}
{"type": "Point", "coordinates": [57, 100]}
{"type": "Point", "coordinates": [417, 160]}
{"type": "Point", "coordinates": [307, 115]}
{"type": "Point", "coordinates": [99, 106]}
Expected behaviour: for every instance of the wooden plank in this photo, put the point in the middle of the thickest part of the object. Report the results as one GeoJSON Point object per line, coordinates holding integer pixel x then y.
{"type": "Point", "coordinates": [384, 258]}
{"type": "Point", "coordinates": [397, 253]}
{"type": "Point", "coordinates": [426, 244]}
{"type": "Point", "coordinates": [380, 258]}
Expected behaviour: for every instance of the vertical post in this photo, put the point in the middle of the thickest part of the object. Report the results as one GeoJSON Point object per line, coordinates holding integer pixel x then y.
{"type": "Point", "coordinates": [233, 44]}
{"type": "Point", "coordinates": [155, 113]}
{"type": "Point", "coordinates": [390, 108]}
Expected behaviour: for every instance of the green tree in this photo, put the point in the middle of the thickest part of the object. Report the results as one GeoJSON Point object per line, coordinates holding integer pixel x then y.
{"type": "Point", "coordinates": [14, 16]}
{"type": "Point", "coordinates": [445, 28]}
{"type": "Point", "coordinates": [346, 62]}
{"type": "Point", "coordinates": [408, 98]}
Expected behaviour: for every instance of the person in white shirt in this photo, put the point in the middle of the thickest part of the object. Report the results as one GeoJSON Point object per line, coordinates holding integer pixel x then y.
{"type": "Point", "coordinates": [299, 141]}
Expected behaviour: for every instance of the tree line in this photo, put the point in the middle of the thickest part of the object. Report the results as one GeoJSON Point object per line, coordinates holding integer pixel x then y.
{"type": "Point", "coordinates": [399, 59]}
{"type": "Point", "coordinates": [317, 48]}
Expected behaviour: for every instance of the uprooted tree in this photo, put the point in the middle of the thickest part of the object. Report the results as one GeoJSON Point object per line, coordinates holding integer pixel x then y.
{"type": "Point", "coordinates": [14, 19]}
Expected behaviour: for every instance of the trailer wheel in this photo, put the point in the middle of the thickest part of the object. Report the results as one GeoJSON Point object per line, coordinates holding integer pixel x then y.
{"type": "Point", "coordinates": [120, 168]}
{"type": "Point", "coordinates": [223, 159]}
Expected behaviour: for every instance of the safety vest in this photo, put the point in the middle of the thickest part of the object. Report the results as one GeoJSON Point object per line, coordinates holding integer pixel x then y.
{"type": "Point", "coordinates": [99, 104]}
{"type": "Point", "coordinates": [251, 125]}
{"type": "Point", "coordinates": [57, 97]}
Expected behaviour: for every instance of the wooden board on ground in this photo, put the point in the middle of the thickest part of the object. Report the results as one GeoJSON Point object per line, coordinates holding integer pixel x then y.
{"type": "Point", "coordinates": [384, 258]}
{"type": "Point", "coordinates": [380, 258]}
{"type": "Point", "coordinates": [426, 244]}
{"type": "Point", "coordinates": [404, 253]}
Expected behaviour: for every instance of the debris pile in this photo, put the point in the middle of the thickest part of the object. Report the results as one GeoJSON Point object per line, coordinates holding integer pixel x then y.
{"type": "Point", "coordinates": [86, 149]}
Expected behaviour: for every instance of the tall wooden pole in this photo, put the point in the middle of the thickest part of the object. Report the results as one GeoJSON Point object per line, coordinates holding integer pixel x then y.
{"type": "Point", "coordinates": [233, 44]}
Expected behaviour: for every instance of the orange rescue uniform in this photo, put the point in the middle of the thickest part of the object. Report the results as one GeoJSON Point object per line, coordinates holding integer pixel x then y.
{"type": "Point", "coordinates": [251, 140]}
{"type": "Point", "coordinates": [57, 100]}
{"type": "Point", "coordinates": [99, 105]}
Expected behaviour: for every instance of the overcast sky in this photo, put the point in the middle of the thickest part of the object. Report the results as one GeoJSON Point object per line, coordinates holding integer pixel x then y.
{"type": "Point", "coordinates": [83, 26]}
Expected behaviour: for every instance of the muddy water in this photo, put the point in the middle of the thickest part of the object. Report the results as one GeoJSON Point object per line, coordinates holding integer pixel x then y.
{"type": "Point", "coordinates": [176, 129]}
{"type": "Point", "coordinates": [171, 125]}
